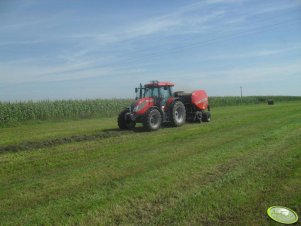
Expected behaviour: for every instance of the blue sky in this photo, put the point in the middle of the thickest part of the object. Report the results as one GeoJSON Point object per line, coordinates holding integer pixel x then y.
{"type": "Point", "coordinates": [56, 49]}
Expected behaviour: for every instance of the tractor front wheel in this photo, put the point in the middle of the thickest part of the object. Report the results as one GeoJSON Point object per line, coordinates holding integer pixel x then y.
{"type": "Point", "coordinates": [152, 120]}
{"type": "Point", "coordinates": [124, 122]}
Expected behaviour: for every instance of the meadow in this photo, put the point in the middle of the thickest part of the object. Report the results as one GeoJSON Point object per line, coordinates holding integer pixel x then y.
{"type": "Point", "coordinates": [88, 172]}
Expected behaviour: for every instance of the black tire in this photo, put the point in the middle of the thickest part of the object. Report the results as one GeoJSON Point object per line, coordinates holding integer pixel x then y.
{"type": "Point", "coordinates": [125, 123]}
{"type": "Point", "coordinates": [198, 117]}
{"type": "Point", "coordinates": [178, 114]}
{"type": "Point", "coordinates": [206, 116]}
{"type": "Point", "coordinates": [152, 120]}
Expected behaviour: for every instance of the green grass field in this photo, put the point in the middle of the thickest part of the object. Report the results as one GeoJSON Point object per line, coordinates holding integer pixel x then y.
{"type": "Point", "coordinates": [87, 172]}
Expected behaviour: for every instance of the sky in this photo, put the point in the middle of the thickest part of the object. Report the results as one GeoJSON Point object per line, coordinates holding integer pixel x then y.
{"type": "Point", "coordinates": [76, 49]}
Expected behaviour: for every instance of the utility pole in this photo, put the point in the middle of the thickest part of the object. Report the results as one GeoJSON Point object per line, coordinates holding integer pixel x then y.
{"type": "Point", "coordinates": [241, 92]}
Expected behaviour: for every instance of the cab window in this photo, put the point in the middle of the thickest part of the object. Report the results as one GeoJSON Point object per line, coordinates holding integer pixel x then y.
{"type": "Point", "coordinates": [151, 92]}
{"type": "Point", "coordinates": [165, 92]}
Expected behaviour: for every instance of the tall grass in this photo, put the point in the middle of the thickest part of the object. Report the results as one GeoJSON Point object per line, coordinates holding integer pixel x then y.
{"type": "Point", "coordinates": [235, 100]}
{"type": "Point", "coordinates": [11, 113]}
{"type": "Point", "coordinates": [14, 112]}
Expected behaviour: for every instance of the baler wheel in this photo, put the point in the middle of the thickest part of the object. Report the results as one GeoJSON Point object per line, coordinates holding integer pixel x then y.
{"type": "Point", "coordinates": [152, 120]}
{"type": "Point", "coordinates": [124, 123]}
{"type": "Point", "coordinates": [198, 116]}
{"type": "Point", "coordinates": [178, 114]}
{"type": "Point", "coordinates": [206, 117]}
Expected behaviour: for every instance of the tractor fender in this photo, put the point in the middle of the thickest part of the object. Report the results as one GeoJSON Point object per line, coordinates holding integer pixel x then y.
{"type": "Point", "coordinates": [170, 104]}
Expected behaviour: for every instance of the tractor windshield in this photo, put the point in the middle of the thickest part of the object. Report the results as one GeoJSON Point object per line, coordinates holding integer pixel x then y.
{"type": "Point", "coordinates": [151, 92]}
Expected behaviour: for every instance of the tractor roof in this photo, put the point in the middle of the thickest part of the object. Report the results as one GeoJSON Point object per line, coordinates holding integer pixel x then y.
{"type": "Point", "coordinates": [158, 84]}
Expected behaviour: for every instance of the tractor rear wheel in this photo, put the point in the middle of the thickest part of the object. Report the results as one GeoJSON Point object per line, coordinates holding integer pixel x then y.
{"type": "Point", "coordinates": [152, 120]}
{"type": "Point", "coordinates": [206, 116]}
{"type": "Point", "coordinates": [124, 122]}
{"type": "Point", "coordinates": [178, 114]}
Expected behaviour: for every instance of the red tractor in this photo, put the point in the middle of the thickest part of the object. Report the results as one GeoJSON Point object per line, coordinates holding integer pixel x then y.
{"type": "Point", "coordinates": [156, 103]}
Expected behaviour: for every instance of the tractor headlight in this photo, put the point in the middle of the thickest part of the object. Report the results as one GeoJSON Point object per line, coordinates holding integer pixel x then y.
{"type": "Point", "coordinates": [139, 106]}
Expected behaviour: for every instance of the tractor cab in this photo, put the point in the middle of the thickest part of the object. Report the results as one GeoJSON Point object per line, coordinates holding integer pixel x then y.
{"type": "Point", "coordinates": [159, 91]}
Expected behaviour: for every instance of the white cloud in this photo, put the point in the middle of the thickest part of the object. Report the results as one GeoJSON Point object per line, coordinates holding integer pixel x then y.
{"type": "Point", "coordinates": [264, 52]}
{"type": "Point", "coordinates": [45, 73]}
{"type": "Point", "coordinates": [193, 18]}
{"type": "Point", "coordinates": [278, 7]}
{"type": "Point", "coordinates": [251, 75]}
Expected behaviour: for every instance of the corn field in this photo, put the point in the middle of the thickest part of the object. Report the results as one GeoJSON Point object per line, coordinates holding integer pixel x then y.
{"type": "Point", "coordinates": [15, 112]}
{"type": "Point", "coordinates": [11, 113]}
{"type": "Point", "coordinates": [235, 100]}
